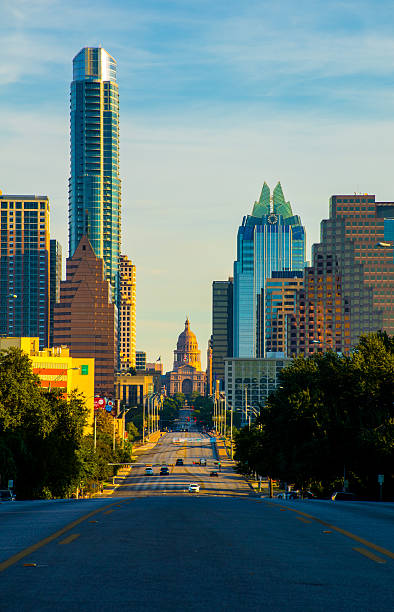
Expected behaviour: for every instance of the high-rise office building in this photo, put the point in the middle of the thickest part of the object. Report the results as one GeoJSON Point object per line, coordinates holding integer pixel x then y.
{"type": "Point", "coordinates": [348, 290]}
{"type": "Point", "coordinates": [280, 301]}
{"type": "Point", "coordinates": [85, 317]}
{"type": "Point", "coordinates": [222, 328]}
{"type": "Point", "coordinates": [140, 360]}
{"type": "Point", "coordinates": [94, 185]}
{"type": "Point", "coordinates": [269, 240]}
{"type": "Point", "coordinates": [127, 314]}
{"type": "Point", "coordinates": [25, 267]}
{"type": "Point", "coordinates": [55, 278]}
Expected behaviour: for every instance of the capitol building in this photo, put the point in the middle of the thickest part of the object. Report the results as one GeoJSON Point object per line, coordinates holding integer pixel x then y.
{"type": "Point", "coordinates": [186, 376]}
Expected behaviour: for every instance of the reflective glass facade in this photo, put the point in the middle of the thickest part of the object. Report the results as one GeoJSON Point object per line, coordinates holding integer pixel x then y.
{"type": "Point", "coordinates": [94, 185]}
{"type": "Point", "coordinates": [24, 267]}
{"type": "Point", "coordinates": [272, 239]}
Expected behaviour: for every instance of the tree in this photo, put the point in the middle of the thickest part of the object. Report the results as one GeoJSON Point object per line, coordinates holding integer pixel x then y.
{"type": "Point", "coordinates": [330, 413]}
{"type": "Point", "coordinates": [40, 431]}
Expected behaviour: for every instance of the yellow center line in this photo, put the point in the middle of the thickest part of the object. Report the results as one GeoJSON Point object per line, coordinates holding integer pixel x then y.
{"type": "Point", "coordinates": [348, 534]}
{"type": "Point", "coordinates": [108, 511]}
{"type": "Point", "coordinates": [70, 538]}
{"type": "Point", "coordinates": [369, 554]}
{"type": "Point", "coordinates": [302, 519]}
{"type": "Point", "coordinates": [30, 549]}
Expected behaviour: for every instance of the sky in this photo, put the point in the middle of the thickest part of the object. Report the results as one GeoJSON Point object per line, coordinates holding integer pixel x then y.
{"type": "Point", "coordinates": [215, 98]}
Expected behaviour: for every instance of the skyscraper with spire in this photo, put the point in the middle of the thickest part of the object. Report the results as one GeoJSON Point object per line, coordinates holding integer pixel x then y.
{"type": "Point", "coordinates": [94, 185]}
{"type": "Point", "coordinates": [269, 240]}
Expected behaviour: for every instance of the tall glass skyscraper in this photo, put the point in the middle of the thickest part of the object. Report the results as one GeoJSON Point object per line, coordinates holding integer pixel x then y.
{"type": "Point", "coordinates": [269, 240]}
{"type": "Point", "coordinates": [94, 185]}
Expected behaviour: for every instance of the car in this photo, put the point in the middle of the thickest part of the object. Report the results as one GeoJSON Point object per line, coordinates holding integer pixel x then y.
{"type": "Point", "coordinates": [179, 462]}
{"type": "Point", "coordinates": [164, 471]}
{"type": "Point", "coordinates": [203, 461]}
{"type": "Point", "coordinates": [149, 471]}
{"type": "Point", "coordinates": [194, 487]}
{"type": "Point", "coordinates": [6, 495]}
{"type": "Point", "coordinates": [214, 473]}
{"type": "Point", "coordinates": [343, 496]}
{"type": "Point", "coordinates": [288, 495]}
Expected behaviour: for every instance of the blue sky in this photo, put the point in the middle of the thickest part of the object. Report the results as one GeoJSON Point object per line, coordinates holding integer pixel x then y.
{"type": "Point", "coordinates": [215, 98]}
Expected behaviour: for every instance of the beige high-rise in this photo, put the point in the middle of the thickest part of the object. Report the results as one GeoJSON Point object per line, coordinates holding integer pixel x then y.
{"type": "Point", "coordinates": [127, 313]}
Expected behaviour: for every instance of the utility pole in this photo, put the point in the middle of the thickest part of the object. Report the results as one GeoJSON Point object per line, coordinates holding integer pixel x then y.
{"type": "Point", "coordinates": [231, 432]}
{"type": "Point", "coordinates": [95, 429]}
{"type": "Point", "coordinates": [143, 420]}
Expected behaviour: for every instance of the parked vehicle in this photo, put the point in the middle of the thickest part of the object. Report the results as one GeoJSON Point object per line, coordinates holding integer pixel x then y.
{"type": "Point", "coordinates": [343, 496]}
{"type": "Point", "coordinates": [6, 495]}
{"type": "Point", "coordinates": [194, 487]}
{"type": "Point", "coordinates": [203, 461]}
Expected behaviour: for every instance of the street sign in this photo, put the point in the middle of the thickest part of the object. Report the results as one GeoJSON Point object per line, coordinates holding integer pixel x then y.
{"type": "Point", "coordinates": [99, 402]}
{"type": "Point", "coordinates": [109, 405]}
{"type": "Point", "coordinates": [380, 478]}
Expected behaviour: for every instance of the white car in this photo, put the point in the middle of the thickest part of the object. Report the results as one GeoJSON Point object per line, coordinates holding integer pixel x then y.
{"type": "Point", "coordinates": [194, 487]}
{"type": "Point", "coordinates": [149, 471]}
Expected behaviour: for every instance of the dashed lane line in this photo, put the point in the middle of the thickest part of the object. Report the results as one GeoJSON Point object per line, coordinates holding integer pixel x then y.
{"type": "Point", "coordinates": [31, 549]}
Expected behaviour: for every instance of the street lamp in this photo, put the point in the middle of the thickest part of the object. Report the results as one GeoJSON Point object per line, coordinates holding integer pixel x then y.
{"type": "Point", "coordinates": [384, 245]}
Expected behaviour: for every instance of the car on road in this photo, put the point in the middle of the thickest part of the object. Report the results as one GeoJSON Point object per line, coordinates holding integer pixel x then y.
{"type": "Point", "coordinates": [214, 473]}
{"type": "Point", "coordinates": [194, 487]}
{"type": "Point", "coordinates": [203, 461]}
{"type": "Point", "coordinates": [164, 471]}
{"type": "Point", "coordinates": [149, 471]}
{"type": "Point", "coordinates": [288, 495]}
{"type": "Point", "coordinates": [343, 496]}
{"type": "Point", "coordinates": [6, 495]}
{"type": "Point", "coordinates": [179, 462]}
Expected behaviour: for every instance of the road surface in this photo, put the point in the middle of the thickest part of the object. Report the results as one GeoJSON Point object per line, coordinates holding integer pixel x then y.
{"type": "Point", "coordinates": [189, 446]}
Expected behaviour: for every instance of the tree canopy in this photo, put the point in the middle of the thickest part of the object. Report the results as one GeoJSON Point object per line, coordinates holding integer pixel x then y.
{"type": "Point", "coordinates": [330, 414]}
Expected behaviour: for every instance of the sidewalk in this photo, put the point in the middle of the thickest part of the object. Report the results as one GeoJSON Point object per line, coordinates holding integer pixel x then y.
{"type": "Point", "coordinates": [150, 443]}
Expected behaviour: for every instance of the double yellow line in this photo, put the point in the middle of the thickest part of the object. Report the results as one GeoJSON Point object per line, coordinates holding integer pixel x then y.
{"type": "Point", "coordinates": [303, 516]}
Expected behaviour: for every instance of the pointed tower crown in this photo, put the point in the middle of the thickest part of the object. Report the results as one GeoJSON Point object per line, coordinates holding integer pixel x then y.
{"type": "Point", "coordinates": [262, 207]}
{"type": "Point", "coordinates": [281, 207]}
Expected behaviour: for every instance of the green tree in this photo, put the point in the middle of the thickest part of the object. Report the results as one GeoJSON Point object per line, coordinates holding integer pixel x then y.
{"type": "Point", "coordinates": [40, 431]}
{"type": "Point", "coordinates": [331, 412]}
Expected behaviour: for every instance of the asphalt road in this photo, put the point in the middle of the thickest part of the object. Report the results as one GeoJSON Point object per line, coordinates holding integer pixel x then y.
{"type": "Point", "coordinates": [190, 446]}
{"type": "Point", "coordinates": [151, 546]}
{"type": "Point", "coordinates": [197, 553]}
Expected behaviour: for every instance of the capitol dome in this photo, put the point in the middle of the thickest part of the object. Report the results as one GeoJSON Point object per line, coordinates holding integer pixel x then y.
{"type": "Point", "coordinates": [187, 352]}
{"type": "Point", "coordinates": [187, 339]}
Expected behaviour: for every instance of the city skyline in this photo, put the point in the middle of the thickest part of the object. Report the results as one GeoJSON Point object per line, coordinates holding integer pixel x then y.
{"type": "Point", "coordinates": [283, 108]}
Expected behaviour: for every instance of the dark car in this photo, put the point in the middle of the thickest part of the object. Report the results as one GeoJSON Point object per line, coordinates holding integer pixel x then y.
{"type": "Point", "coordinates": [6, 495]}
{"type": "Point", "coordinates": [214, 473]}
{"type": "Point", "coordinates": [343, 496]}
{"type": "Point", "coordinates": [179, 462]}
{"type": "Point", "coordinates": [164, 471]}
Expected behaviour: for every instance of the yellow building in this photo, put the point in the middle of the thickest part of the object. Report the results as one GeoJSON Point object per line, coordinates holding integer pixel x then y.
{"type": "Point", "coordinates": [57, 370]}
{"type": "Point", "coordinates": [131, 390]}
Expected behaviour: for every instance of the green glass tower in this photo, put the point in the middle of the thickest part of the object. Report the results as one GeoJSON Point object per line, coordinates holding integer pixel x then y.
{"type": "Point", "coordinates": [94, 186]}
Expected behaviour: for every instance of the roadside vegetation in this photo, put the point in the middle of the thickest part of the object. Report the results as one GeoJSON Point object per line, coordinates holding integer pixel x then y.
{"type": "Point", "coordinates": [42, 444]}
{"type": "Point", "coordinates": [331, 418]}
